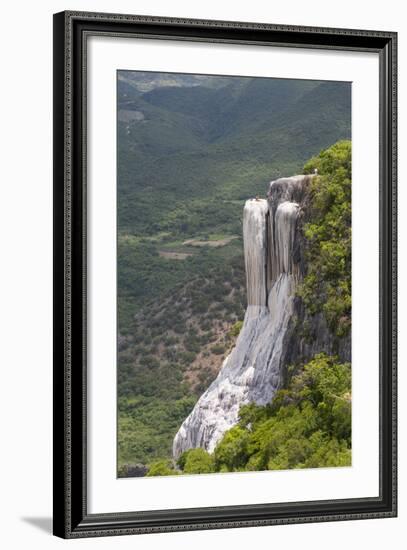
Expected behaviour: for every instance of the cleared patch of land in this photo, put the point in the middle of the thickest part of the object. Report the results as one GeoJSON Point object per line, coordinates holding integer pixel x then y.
{"type": "Point", "coordinates": [212, 243]}
{"type": "Point", "coordinates": [125, 115]}
{"type": "Point", "coordinates": [174, 255]}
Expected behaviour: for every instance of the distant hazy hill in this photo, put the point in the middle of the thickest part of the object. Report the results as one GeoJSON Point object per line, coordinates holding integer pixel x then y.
{"type": "Point", "coordinates": [190, 140]}
{"type": "Point", "coordinates": [145, 81]}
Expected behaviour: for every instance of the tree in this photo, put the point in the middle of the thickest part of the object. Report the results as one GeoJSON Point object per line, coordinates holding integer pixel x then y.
{"type": "Point", "coordinates": [307, 425]}
{"type": "Point", "coordinates": [161, 468]}
{"type": "Point", "coordinates": [197, 461]}
{"type": "Point", "coordinates": [231, 452]}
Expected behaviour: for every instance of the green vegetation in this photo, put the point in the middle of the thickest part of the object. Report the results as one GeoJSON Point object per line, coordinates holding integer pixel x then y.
{"type": "Point", "coordinates": [161, 468]}
{"type": "Point", "coordinates": [198, 150]}
{"type": "Point", "coordinates": [173, 346]}
{"type": "Point", "coordinates": [236, 328]}
{"type": "Point", "coordinates": [188, 158]}
{"type": "Point", "coordinates": [308, 425]}
{"type": "Point", "coordinates": [327, 285]}
{"type": "Point", "coordinates": [196, 461]}
{"type": "Point", "coordinates": [145, 277]}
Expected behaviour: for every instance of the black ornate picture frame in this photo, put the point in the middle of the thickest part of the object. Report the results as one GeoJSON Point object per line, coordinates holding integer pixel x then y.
{"type": "Point", "coordinates": [71, 517]}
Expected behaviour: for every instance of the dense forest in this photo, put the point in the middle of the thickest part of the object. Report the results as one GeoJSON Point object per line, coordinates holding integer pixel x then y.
{"type": "Point", "coordinates": [190, 152]}
{"type": "Point", "coordinates": [307, 425]}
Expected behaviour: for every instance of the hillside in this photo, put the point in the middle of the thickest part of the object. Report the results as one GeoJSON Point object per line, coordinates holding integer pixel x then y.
{"type": "Point", "coordinates": [190, 152]}
{"type": "Point", "coordinates": [265, 411]}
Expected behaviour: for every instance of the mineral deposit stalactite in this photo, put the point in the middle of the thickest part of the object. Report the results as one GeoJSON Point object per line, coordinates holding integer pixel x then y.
{"type": "Point", "coordinates": [251, 372]}
{"type": "Point", "coordinates": [255, 250]}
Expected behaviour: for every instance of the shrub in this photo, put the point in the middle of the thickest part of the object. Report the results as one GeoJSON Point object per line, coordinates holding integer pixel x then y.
{"type": "Point", "coordinates": [327, 284]}
{"type": "Point", "coordinates": [218, 349]}
{"type": "Point", "coordinates": [196, 461]}
{"type": "Point", "coordinates": [236, 328]}
{"type": "Point", "coordinates": [307, 425]}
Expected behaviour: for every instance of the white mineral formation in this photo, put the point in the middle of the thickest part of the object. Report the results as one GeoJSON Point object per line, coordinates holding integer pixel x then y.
{"type": "Point", "coordinates": [251, 372]}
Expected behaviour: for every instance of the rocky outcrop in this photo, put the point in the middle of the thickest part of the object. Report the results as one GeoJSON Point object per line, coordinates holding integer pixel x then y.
{"type": "Point", "coordinates": [252, 371]}
{"type": "Point", "coordinates": [306, 334]}
{"type": "Point", "coordinates": [277, 330]}
{"type": "Point", "coordinates": [134, 470]}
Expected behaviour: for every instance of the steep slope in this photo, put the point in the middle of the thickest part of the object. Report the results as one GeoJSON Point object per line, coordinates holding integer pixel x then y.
{"type": "Point", "coordinates": [317, 119]}
{"type": "Point", "coordinates": [184, 175]}
{"type": "Point", "coordinates": [239, 105]}
{"type": "Point", "coordinates": [251, 373]}
{"type": "Point", "coordinates": [293, 272]}
{"type": "Point", "coordinates": [262, 130]}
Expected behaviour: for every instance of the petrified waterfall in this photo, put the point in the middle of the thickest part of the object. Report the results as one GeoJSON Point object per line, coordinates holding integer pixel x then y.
{"type": "Point", "coordinates": [251, 372]}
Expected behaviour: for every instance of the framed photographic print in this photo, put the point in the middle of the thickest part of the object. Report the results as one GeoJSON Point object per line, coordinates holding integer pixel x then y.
{"type": "Point", "coordinates": [224, 274]}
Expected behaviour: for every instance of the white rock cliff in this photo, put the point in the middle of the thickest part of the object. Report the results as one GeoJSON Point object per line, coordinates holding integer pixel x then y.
{"type": "Point", "coordinates": [251, 372]}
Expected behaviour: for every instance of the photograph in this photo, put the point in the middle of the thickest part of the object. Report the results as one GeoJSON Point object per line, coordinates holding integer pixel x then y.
{"type": "Point", "coordinates": [225, 274]}
{"type": "Point", "coordinates": [234, 298]}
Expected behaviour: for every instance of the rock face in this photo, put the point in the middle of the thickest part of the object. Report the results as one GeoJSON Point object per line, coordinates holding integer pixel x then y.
{"type": "Point", "coordinates": [135, 470]}
{"type": "Point", "coordinates": [253, 371]}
